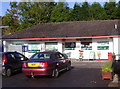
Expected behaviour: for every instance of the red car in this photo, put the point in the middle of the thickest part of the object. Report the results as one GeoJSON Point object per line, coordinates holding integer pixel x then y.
{"type": "Point", "coordinates": [46, 63]}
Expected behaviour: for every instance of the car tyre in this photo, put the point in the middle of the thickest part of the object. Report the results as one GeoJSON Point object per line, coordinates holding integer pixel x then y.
{"type": "Point", "coordinates": [68, 67]}
{"type": "Point", "coordinates": [8, 72]}
{"type": "Point", "coordinates": [3, 72]}
{"type": "Point", "coordinates": [55, 73]}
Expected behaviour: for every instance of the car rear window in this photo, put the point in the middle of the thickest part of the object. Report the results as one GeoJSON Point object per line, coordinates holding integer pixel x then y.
{"type": "Point", "coordinates": [41, 56]}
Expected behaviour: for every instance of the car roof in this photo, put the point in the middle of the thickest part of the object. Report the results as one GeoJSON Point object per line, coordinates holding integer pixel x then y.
{"type": "Point", "coordinates": [51, 52]}
{"type": "Point", "coordinates": [7, 52]}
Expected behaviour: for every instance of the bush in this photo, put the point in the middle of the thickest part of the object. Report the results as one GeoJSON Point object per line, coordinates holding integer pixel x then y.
{"type": "Point", "coordinates": [107, 67]}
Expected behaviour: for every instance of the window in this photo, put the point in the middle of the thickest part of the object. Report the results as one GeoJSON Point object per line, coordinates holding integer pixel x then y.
{"type": "Point", "coordinates": [41, 56]}
{"type": "Point", "coordinates": [103, 45]}
{"type": "Point", "coordinates": [33, 47]}
{"type": "Point", "coordinates": [70, 45]}
{"type": "Point", "coordinates": [58, 55]}
{"type": "Point", "coordinates": [10, 57]}
{"type": "Point", "coordinates": [19, 56]}
{"type": "Point", "coordinates": [86, 45]}
{"type": "Point", "coordinates": [51, 46]}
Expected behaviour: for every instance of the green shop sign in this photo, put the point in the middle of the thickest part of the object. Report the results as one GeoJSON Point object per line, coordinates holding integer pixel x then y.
{"type": "Point", "coordinates": [17, 43]}
{"type": "Point", "coordinates": [103, 47]}
{"type": "Point", "coordinates": [69, 48]}
{"type": "Point", "coordinates": [33, 51]}
{"type": "Point", "coordinates": [86, 48]}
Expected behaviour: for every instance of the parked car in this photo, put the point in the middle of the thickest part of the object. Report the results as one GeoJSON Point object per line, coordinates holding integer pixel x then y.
{"type": "Point", "coordinates": [11, 62]}
{"type": "Point", "coordinates": [46, 63]}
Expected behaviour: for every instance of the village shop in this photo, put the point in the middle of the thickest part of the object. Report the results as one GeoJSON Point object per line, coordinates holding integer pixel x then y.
{"type": "Point", "coordinates": [86, 39]}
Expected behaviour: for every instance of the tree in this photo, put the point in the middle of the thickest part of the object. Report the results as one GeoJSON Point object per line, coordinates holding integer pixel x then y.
{"type": "Point", "coordinates": [118, 10]}
{"type": "Point", "coordinates": [97, 12]}
{"type": "Point", "coordinates": [85, 9]}
{"type": "Point", "coordinates": [60, 13]}
{"type": "Point", "coordinates": [35, 13]}
{"type": "Point", "coordinates": [76, 13]}
{"type": "Point", "coordinates": [25, 15]}
{"type": "Point", "coordinates": [111, 10]}
{"type": "Point", "coordinates": [11, 18]}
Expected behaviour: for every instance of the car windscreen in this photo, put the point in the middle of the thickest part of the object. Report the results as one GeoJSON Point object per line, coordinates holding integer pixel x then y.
{"type": "Point", "coordinates": [41, 56]}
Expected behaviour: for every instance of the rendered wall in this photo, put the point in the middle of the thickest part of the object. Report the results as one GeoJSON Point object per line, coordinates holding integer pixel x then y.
{"type": "Point", "coordinates": [74, 54]}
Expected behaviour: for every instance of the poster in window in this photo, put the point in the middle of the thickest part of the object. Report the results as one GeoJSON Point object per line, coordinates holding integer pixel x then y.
{"type": "Point", "coordinates": [103, 45]}
{"type": "Point", "coordinates": [33, 47]}
{"type": "Point", "coordinates": [70, 45]}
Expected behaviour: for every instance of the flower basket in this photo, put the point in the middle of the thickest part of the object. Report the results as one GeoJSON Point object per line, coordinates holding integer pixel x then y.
{"type": "Point", "coordinates": [107, 75]}
{"type": "Point", "coordinates": [107, 70]}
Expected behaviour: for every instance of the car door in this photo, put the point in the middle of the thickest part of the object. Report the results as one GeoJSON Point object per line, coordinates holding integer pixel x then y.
{"type": "Point", "coordinates": [19, 58]}
{"type": "Point", "coordinates": [60, 60]}
{"type": "Point", "coordinates": [12, 62]}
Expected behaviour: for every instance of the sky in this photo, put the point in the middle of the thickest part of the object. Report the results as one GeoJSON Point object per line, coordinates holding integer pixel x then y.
{"type": "Point", "coordinates": [4, 4]}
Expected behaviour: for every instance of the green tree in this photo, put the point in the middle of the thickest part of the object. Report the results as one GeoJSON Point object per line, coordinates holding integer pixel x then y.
{"type": "Point", "coordinates": [75, 14]}
{"type": "Point", "coordinates": [85, 9]}
{"type": "Point", "coordinates": [11, 18]}
{"type": "Point", "coordinates": [60, 12]}
{"type": "Point", "coordinates": [111, 10]}
{"type": "Point", "coordinates": [97, 12]}
{"type": "Point", "coordinates": [35, 13]}
{"type": "Point", "coordinates": [25, 15]}
{"type": "Point", "coordinates": [118, 10]}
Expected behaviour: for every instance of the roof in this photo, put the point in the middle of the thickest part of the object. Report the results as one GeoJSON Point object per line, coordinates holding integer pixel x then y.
{"type": "Point", "coordinates": [69, 29]}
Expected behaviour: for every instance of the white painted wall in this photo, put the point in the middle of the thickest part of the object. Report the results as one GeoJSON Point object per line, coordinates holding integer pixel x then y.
{"type": "Point", "coordinates": [113, 46]}
{"type": "Point", "coordinates": [104, 53]}
{"type": "Point", "coordinates": [60, 46]}
{"type": "Point", "coordinates": [116, 44]}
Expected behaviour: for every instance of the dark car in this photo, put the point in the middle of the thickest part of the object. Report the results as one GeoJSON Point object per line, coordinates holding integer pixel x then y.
{"type": "Point", "coordinates": [12, 62]}
{"type": "Point", "coordinates": [46, 63]}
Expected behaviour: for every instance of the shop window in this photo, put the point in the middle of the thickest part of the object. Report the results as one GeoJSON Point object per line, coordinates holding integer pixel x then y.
{"type": "Point", "coordinates": [70, 45]}
{"type": "Point", "coordinates": [86, 45]}
{"type": "Point", "coordinates": [51, 46]}
{"type": "Point", "coordinates": [33, 47]}
{"type": "Point", "coordinates": [103, 45]}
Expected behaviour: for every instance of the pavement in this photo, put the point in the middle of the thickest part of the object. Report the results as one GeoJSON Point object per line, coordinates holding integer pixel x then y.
{"type": "Point", "coordinates": [115, 82]}
{"type": "Point", "coordinates": [116, 78]}
{"type": "Point", "coordinates": [82, 74]}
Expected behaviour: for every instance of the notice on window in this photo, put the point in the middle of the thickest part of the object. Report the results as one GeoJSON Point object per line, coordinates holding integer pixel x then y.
{"type": "Point", "coordinates": [34, 47]}
{"type": "Point", "coordinates": [103, 45]}
{"type": "Point", "coordinates": [51, 46]}
{"type": "Point", "coordinates": [70, 45]}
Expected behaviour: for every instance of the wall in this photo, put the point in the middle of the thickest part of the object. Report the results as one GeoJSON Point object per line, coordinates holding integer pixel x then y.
{"type": "Point", "coordinates": [71, 53]}
{"type": "Point", "coordinates": [104, 53]}
{"type": "Point", "coordinates": [116, 42]}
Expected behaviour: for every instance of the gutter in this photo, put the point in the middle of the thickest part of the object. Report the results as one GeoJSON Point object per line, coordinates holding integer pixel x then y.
{"type": "Point", "coordinates": [62, 37]}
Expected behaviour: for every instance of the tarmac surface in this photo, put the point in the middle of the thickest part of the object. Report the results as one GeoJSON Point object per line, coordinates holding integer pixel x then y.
{"type": "Point", "coordinates": [82, 74]}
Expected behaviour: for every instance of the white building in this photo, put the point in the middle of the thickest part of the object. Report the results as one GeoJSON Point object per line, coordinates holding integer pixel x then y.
{"type": "Point", "coordinates": [91, 37]}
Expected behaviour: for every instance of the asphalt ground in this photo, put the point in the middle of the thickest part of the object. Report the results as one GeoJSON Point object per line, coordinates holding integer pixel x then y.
{"type": "Point", "coordinates": [82, 74]}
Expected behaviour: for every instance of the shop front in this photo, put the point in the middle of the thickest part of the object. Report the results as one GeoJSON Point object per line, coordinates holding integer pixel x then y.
{"type": "Point", "coordinates": [87, 49]}
{"type": "Point", "coordinates": [91, 42]}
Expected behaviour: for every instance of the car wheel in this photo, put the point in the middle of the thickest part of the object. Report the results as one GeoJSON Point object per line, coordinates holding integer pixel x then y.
{"type": "Point", "coordinates": [55, 73]}
{"type": "Point", "coordinates": [68, 67]}
{"type": "Point", "coordinates": [8, 72]}
{"type": "Point", "coordinates": [3, 72]}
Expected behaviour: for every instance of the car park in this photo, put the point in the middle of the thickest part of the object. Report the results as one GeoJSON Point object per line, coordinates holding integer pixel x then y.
{"type": "Point", "coordinates": [12, 62]}
{"type": "Point", "coordinates": [46, 63]}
